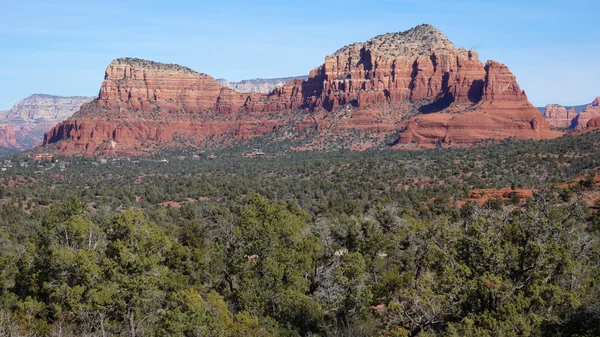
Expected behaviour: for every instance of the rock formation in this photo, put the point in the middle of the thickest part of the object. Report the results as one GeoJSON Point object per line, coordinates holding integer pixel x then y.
{"type": "Point", "coordinates": [7, 137]}
{"type": "Point", "coordinates": [577, 108]}
{"type": "Point", "coordinates": [416, 84]}
{"type": "Point", "coordinates": [590, 112]}
{"type": "Point", "coordinates": [559, 117]}
{"type": "Point", "coordinates": [593, 124]}
{"type": "Point", "coordinates": [44, 108]}
{"type": "Point", "coordinates": [258, 85]}
{"type": "Point", "coordinates": [23, 126]}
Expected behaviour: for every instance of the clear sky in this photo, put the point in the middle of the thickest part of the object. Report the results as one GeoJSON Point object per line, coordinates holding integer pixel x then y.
{"type": "Point", "coordinates": [62, 47]}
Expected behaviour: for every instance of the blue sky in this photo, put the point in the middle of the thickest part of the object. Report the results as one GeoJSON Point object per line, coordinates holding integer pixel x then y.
{"type": "Point", "coordinates": [62, 47]}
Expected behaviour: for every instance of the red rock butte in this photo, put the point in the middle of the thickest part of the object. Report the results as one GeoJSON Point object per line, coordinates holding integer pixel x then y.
{"type": "Point", "coordinates": [415, 86]}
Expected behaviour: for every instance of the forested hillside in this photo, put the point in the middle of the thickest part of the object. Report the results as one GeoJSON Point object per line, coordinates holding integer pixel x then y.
{"type": "Point", "coordinates": [499, 240]}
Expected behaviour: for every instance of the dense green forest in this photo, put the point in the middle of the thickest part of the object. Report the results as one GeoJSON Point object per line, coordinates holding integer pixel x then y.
{"type": "Point", "coordinates": [339, 243]}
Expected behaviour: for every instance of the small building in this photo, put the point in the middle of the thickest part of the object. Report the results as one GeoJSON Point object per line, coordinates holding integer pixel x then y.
{"type": "Point", "coordinates": [255, 153]}
{"type": "Point", "coordinates": [42, 156]}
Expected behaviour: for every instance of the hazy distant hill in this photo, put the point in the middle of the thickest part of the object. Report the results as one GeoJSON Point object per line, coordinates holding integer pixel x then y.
{"type": "Point", "coordinates": [43, 108]}
{"type": "Point", "coordinates": [258, 85]}
{"type": "Point", "coordinates": [23, 126]}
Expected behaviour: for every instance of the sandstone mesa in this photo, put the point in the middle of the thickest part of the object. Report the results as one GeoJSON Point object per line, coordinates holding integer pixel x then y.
{"type": "Point", "coordinates": [414, 86]}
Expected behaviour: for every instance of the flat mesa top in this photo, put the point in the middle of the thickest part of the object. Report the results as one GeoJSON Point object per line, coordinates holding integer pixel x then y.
{"type": "Point", "coordinates": [147, 64]}
{"type": "Point", "coordinates": [420, 40]}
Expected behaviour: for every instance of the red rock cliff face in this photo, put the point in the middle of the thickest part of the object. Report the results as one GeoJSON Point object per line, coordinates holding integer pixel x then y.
{"type": "Point", "coordinates": [591, 111]}
{"type": "Point", "coordinates": [137, 85]}
{"type": "Point", "coordinates": [415, 82]}
{"type": "Point", "coordinates": [144, 106]}
{"type": "Point", "coordinates": [380, 71]}
{"type": "Point", "coordinates": [559, 117]}
{"type": "Point", "coordinates": [593, 123]}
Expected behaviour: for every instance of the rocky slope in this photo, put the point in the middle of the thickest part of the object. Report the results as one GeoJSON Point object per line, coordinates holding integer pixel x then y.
{"type": "Point", "coordinates": [258, 85]}
{"type": "Point", "coordinates": [23, 126]}
{"type": "Point", "coordinates": [416, 85]}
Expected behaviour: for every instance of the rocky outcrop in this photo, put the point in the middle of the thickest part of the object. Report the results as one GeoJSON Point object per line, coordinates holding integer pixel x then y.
{"type": "Point", "coordinates": [7, 137]}
{"type": "Point", "coordinates": [41, 108]}
{"type": "Point", "coordinates": [458, 130]}
{"type": "Point", "coordinates": [258, 85]}
{"type": "Point", "coordinates": [416, 83]}
{"type": "Point", "coordinates": [415, 65]}
{"type": "Point", "coordinates": [559, 117]}
{"type": "Point", "coordinates": [593, 123]}
{"type": "Point", "coordinates": [137, 85]}
{"type": "Point", "coordinates": [26, 122]}
{"type": "Point", "coordinates": [590, 112]}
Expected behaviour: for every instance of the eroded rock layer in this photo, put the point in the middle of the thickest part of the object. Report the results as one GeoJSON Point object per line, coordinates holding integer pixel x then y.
{"type": "Point", "coordinates": [258, 85]}
{"type": "Point", "coordinates": [23, 126]}
{"type": "Point", "coordinates": [559, 117]}
{"type": "Point", "coordinates": [416, 84]}
{"type": "Point", "coordinates": [39, 108]}
{"type": "Point", "coordinates": [592, 111]}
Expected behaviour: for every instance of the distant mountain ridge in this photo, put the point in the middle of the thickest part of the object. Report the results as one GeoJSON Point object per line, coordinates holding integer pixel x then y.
{"type": "Point", "coordinates": [43, 108]}
{"type": "Point", "coordinates": [23, 126]}
{"type": "Point", "coordinates": [258, 85]}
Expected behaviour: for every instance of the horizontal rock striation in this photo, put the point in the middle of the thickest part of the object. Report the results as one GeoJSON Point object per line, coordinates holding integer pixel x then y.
{"type": "Point", "coordinates": [41, 108]}
{"type": "Point", "coordinates": [415, 83]}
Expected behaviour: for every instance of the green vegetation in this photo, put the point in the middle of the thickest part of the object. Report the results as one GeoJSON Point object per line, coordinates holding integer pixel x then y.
{"type": "Point", "coordinates": [6, 152]}
{"type": "Point", "coordinates": [375, 243]}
